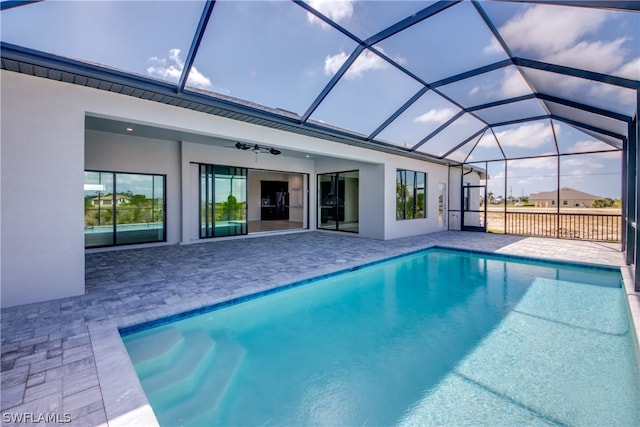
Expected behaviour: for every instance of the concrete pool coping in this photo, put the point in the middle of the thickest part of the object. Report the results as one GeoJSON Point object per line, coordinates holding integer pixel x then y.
{"type": "Point", "coordinates": [125, 402]}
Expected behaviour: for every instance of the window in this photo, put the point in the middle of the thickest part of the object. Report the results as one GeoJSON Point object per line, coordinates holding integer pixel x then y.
{"type": "Point", "coordinates": [123, 208]}
{"type": "Point", "coordinates": [411, 201]}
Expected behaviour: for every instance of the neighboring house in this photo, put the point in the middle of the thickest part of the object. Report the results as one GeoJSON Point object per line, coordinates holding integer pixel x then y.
{"type": "Point", "coordinates": [569, 198]}
{"type": "Point", "coordinates": [121, 199]}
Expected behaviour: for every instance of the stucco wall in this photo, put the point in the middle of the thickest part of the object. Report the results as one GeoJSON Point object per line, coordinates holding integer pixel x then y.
{"type": "Point", "coordinates": [42, 134]}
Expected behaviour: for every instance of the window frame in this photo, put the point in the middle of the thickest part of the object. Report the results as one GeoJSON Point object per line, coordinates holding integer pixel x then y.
{"type": "Point", "coordinates": [114, 206]}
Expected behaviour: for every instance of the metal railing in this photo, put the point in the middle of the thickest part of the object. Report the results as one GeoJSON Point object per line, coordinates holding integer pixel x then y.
{"type": "Point", "coordinates": [579, 226]}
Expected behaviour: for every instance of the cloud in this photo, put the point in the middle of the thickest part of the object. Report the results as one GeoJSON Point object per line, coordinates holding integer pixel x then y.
{"type": "Point", "coordinates": [171, 69]}
{"type": "Point", "coordinates": [600, 56]}
{"type": "Point", "coordinates": [592, 145]}
{"type": "Point", "coordinates": [493, 48]}
{"type": "Point", "coordinates": [530, 135]}
{"type": "Point", "coordinates": [366, 61]}
{"type": "Point", "coordinates": [588, 145]}
{"type": "Point", "coordinates": [513, 84]}
{"type": "Point", "coordinates": [624, 98]}
{"type": "Point", "coordinates": [534, 179]}
{"type": "Point", "coordinates": [581, 161]}
{"type": "Point", "coordinates": [558, 34]}
{"type": "Point", "coordinates": [499, 175]}
{"type": "Point", "coordinates": [545, 30]}
{"type": "Point", "coordinates": [535, 163]}
{"type": "Point", "coordinates": [630, 70]}
{"type": "Point", "coordinates": [338, 11]}
{"type": "Point", "coordinates": [332, 63]}
{"type": "Point", "coordinates": [487, 141]}
{"type": "Point", "coordinates": [435, 116]}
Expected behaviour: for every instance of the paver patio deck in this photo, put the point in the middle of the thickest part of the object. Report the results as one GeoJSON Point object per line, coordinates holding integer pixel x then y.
{"type": "Point", "coordinates": [59, 357]}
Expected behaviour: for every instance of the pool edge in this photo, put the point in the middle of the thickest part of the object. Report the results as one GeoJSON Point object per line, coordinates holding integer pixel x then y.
{"type": "Point", "coordinates": [633, 305]}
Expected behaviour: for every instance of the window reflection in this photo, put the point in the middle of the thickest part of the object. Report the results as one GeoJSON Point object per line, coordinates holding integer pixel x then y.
{"type": "Point", "coordinates": [411, 202]}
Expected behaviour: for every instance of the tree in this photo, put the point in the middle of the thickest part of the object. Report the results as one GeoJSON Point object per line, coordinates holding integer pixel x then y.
{"type": "Point", "coordinates": [603, 203]}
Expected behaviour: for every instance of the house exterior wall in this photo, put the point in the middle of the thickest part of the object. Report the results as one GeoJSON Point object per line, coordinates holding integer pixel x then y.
{"type": "Point", "coordinates": [570, 203]}
{"type": "Point", "coordinates": [455, 199]}
{"type": "Point", "coordinates": [43, 153]}
{"type": "Point", "coordinates": [42, 175]}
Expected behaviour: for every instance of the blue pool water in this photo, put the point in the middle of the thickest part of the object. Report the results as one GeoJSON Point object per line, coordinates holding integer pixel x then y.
{"type": "Point", "coordinates": [438, 337]}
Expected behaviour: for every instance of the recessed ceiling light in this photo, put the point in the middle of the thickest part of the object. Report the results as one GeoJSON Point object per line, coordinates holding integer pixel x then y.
{"type": "Point", "coordinates": [307, 156]}
{"type": "Point", "coordinates": [129, 129]}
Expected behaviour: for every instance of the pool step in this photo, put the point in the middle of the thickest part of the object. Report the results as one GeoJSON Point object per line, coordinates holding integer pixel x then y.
{"type": "Point", "coordinates": [155, 351]}
{"type": "Point", "coordinates": [198, 407]}
{"type": "Point", "coordinates": [165, 386]}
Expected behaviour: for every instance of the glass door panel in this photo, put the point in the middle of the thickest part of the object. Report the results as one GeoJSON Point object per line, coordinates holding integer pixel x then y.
{"type": "Point", "coordinates": [138, 199]}
{"type": "Point", "coordinates": [338, 201]}
{"type": "Point", "coordinates": [230, 201]}
{"type": "Point", "coordinates": [327, 201]}
{"type": "Point", "coordinates": [223, 201]}
{"type": "Point", "coordinates": [98, 209]}
{"type": "Point", "coordinates": [348, 187]}
{"type": "Point", "coordinates": [206, 201]}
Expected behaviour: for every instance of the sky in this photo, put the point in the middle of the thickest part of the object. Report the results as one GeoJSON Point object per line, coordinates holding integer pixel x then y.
{"type": "Point", "coordinates": [277, 54]}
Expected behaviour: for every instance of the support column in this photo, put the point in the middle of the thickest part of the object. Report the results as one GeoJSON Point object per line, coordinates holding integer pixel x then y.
{"type": "Point", "coordinates": [631, 179]}
{"type": "Point", "coordinates": [634, 138]}
{"type": "Point", "coordinates": [624, 197]}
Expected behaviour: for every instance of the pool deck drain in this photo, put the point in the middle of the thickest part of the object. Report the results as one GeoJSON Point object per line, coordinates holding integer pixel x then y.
{"type": "Point", "coordinates": [65, 359]}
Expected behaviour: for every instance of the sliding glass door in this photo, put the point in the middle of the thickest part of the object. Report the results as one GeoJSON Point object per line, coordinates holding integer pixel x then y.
{"type": "Point", "coordinates": [338, 201]}
{"type": "Point", "coordinates": [223, 201]}
{"type": "Point", "coordinates": [123, 208]}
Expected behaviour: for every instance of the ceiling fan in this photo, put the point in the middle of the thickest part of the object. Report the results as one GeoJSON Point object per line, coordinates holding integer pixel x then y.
{"type": "Point", "coordinates": [257, 148]}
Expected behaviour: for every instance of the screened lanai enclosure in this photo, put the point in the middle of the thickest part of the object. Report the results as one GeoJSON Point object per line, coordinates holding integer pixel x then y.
{"type": "Point", "coordinates": [539, 97]}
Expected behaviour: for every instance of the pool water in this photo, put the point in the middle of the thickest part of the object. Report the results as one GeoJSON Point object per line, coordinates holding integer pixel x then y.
{"type": "Point", "coordinates": [438, 337]}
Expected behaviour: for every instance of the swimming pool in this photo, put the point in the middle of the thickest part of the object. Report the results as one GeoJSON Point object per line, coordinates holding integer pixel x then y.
{"type": "Point", "coordinates": [435, 337]}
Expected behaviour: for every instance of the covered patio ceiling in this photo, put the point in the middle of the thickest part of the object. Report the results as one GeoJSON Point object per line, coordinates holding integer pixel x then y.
{"type": "Point", "coordinates": [453, 81]}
